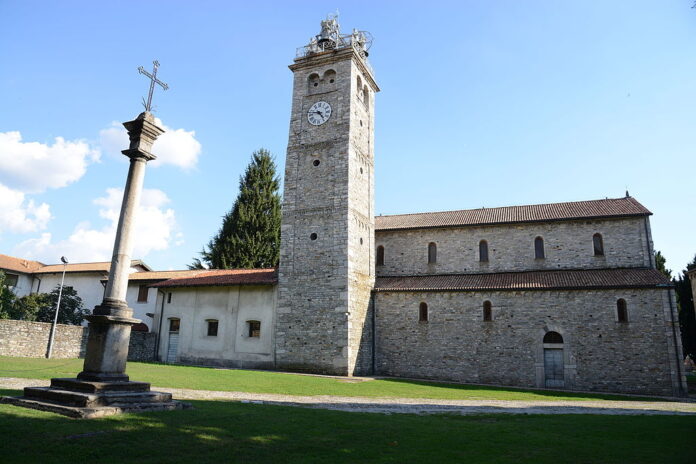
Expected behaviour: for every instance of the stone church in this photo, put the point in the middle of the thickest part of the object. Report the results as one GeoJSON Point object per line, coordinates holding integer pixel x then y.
{"type": "Point", "coordinates": [561, 295]}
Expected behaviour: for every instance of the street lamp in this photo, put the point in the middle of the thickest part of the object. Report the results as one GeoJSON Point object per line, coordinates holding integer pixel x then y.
{"type": "Point", "coordinates": [55, 317]}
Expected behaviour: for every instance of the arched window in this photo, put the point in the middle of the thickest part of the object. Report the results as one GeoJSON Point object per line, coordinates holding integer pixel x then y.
{"type": "Point", "coordinates": [423, 312]}
{"type": "Point", "coordinates": [483, 251]}
{"type": "Point", "coordinates": [621, 310]}
{"type": "Point", "coordinates": [313, 83]}
{"type": "Point", "coordinates": [539, 248]}
{"type": "Point", "coordinates": [380, 255]}
{"type": "Point", "coordinates": [598, 244]}
{"type": "Point", "coordinates": [330, 78]}
{"type": "Point", "coordinates": [359, 87]}
{"type": "Point", "coordinates": [366, 96]}
{"type": "Point", "coordinates": [553, 337]}
{"type": "Point", "coordinates": [487, 311]}
{"type": "Point", "coordinates": [432, 253]}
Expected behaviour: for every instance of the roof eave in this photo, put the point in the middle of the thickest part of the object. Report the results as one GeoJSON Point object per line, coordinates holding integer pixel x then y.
{"type": "Point", "coordinates": [499, 223]}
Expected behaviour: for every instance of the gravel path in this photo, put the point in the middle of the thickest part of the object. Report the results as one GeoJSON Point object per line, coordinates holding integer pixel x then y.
{"type": "Point", "coordinates": [419, 406]}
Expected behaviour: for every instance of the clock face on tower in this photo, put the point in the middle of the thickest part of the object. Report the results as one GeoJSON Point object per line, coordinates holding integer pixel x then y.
{"type": "Point", "coordinates": [319, 113]}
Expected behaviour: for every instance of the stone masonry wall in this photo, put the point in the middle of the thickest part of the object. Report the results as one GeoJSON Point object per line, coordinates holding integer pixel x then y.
{"type": "Point", "coordinates": [600, 353]}
{"type": "Point", "coordinates": [319, 304]}
{"type": "Point", "coordinates": [30, 340]}
{"type": "Point", "coordinates": [567, 245]}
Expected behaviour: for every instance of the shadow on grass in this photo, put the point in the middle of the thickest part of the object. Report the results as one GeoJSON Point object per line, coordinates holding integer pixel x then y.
{"type": "Point", "coordinates": [239, 432]}
{"type": "Point", "coordinates": [551, 394]}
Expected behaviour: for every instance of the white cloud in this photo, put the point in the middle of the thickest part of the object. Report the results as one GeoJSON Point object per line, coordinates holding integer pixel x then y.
{"type": "Point", "coordinates": [177, 147]}
{"type": "Point", "coordinates": [20, 215]}
{"type": "Point", "coordinates": [153, 230]}
{"type": "Point", "coordinates": [32, 167]}
{"type": "Point", "coordinates": [113, 139]}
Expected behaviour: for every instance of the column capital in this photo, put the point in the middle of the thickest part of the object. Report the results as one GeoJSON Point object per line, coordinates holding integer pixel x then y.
{"type": "Point", "coordinates": [142, 132]}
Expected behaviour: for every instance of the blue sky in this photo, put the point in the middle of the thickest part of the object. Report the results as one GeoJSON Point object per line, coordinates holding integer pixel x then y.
{"type": "Point", "coordinates": [489, 103]}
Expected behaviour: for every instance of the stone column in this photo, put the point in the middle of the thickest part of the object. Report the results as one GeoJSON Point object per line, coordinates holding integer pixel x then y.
{"type": "Point", "coordinates": [111, 321]}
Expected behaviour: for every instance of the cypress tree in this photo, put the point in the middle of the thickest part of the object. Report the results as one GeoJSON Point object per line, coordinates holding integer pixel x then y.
{"type": "Point", "coordinates": [250, 233]}
{"type": "Point", "coordinates": [687, 315]}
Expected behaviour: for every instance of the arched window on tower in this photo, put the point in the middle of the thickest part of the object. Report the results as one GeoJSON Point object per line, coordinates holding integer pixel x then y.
{"type": "Point", "coordinates": [313, 82]}
{"type": "Point", "coordinates": [487, 311]}
{"type": "Point", "coordinates": [359, 88]}
{"type": "Point", "coordinates": [483, 251]}
{"type": "Point", "coordinates": [539, 248]}
{"type": "Point", "coordinates": [380, 256]}
{"type": "Point", "coordinates": [330, 78]}
{"type": "Point", "coordinates": [432, 253]}
{"type": "Point", "coordinates": [366, 96]}
{"type": "Point", "coordinates": [598, 244]}
{"type": "Point", "coordinates": [423, 312]}
{"type": "Point", "coordinates": [621, 310]}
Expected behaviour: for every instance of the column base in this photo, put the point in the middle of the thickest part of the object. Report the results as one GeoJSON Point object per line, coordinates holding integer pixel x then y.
{"type": "Point", "coordinates": [87, 400]}
{"type": "Point", "coordinates": [107, 347]}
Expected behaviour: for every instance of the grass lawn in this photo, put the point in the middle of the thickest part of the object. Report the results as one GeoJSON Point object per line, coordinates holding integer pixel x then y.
{"type": "Point", "coordinates": [201, 378]}
{"type": "Point", "coordinates": [237, 432]}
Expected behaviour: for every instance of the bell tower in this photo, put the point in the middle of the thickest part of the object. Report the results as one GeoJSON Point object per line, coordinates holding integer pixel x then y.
{"type": "Point", "coordinates": [326, 272]}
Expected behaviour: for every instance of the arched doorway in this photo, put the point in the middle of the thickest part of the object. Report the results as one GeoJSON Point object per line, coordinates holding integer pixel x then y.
{"type": "Point", "coordinates": [553, 360]}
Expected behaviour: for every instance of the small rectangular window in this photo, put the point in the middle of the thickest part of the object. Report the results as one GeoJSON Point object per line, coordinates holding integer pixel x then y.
{"type": "Point", "coordinates": [212, 328]}
{"type": "Point", "coordinates": [11, 280]}
{"type": "Point", "coordinates": [254, 329]}
{"type": "Point", "coordinates": [169, 297]}
{"type": "Point", "coordinates": [142, 293]}
{"type": "Point", "coordinates": [173, 325]}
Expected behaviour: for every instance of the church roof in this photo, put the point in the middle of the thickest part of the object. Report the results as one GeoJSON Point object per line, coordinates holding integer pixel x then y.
{"type": "Point", "coordinates": [593, 209]}
{"type": "Point", "coordinates": [528, 280]}
{"type": "Point", "coordinates": [224, 277]}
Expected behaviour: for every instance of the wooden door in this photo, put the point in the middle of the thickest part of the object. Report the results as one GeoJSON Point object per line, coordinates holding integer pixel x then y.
{"type": "Point", "coordinates": [553, 368]}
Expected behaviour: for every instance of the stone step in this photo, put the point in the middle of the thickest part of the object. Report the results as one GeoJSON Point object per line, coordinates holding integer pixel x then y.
{"type": "Point", "coordinates": [87, 386]}
{"type": "Point", "coordinates": [90, 400]}
{"type": "Point", "coordinates": [91, 413]}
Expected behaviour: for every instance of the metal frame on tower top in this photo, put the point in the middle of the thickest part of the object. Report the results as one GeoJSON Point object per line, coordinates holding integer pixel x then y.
{"type": "Point", "coordinates": [330, 38]}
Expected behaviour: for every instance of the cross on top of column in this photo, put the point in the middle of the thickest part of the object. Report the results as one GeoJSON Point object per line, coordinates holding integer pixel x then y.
{"type": "Point", "coordinates": [153, 81]}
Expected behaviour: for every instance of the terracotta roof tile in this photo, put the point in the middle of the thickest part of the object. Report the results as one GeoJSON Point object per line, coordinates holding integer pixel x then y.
{"type": "Point", "coordinates": [102, 266]}
{"type": "Point", "coordinates": [11, 263]}
{"type": "Point", "coordinates": [612, 207]}
{"type": "Point", "coordinates": [531, 280]}
{"type": "Point", "coordinates": [224, 277]}
{"type": "Point", "coordinates": [164, 275]}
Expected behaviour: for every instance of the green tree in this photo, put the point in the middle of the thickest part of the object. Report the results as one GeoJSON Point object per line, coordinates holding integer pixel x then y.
{"type": "Point", "coordinates": [28, 307]}
{"type": "Point", "coordinates": [7, 298]}
{"type": "Point", "coordinates": [250, 232]}
{"type": "Point", "coordinates": [71, 309]}
{"type": "Point", "coordinates": [687, 315]}
{"type": "Point", "coordinates": [661, 265]}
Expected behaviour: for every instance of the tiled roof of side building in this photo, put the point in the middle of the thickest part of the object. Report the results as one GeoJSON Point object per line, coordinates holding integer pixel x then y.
{"type": "Point", "coordinates": [224, 277]}
{"type": "Point", "coordinates": [101, 266]}
{"type": "Point", "coordinates": [608, 208]}
{"type": "Point", "coordinates": [529, 280]}
{"type": "Point", "coordinates": [26, 266]}
{"type": "Point", "coordinates": [158, 276]}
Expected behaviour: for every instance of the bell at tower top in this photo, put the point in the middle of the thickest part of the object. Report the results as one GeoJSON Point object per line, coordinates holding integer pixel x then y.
{"type": "Point", "coordinates": [330, 39]}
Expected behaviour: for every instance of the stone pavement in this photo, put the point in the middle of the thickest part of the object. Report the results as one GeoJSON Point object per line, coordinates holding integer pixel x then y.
{"type": "Point", "coordinates": [420, 406]}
